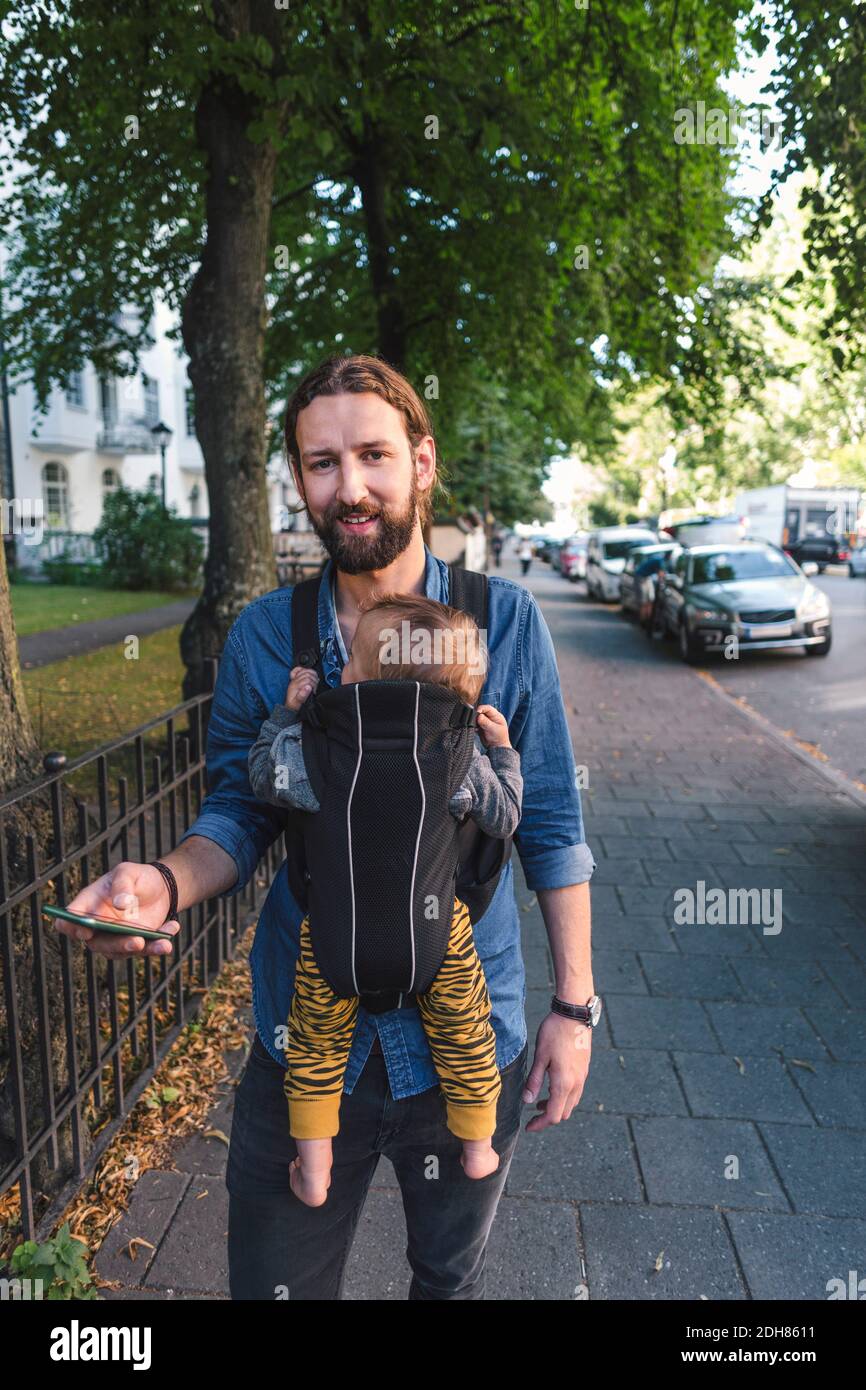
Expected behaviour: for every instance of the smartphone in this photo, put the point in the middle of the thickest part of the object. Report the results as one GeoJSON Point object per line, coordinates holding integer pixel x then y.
{"type": "Point", "coordinates": [106, 924]}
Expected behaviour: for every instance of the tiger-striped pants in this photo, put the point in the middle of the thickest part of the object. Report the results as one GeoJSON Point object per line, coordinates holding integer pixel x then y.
{"type": "Point", "coordinates": [455, 1012]}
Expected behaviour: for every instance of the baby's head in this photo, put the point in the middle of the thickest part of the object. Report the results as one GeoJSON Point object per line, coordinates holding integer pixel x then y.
{"type": "Point", "coordinates": [410, 637]}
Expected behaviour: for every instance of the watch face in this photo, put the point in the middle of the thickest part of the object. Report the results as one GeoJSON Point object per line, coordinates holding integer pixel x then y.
{"type": "Point", "coordinates": [595, 1009]}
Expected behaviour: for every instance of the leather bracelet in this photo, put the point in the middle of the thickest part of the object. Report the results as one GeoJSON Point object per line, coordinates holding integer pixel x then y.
{"type": "Point", "coordinates": [171, 884]}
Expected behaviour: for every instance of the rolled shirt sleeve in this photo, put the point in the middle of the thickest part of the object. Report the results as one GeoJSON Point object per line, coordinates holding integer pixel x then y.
{"type": "Point", "coordinates": [231, 814]}
{"type": "Point", "coordinates": [550, 837]}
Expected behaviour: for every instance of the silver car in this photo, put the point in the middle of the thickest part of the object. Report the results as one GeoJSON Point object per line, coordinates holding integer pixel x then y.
{"type": "Point", "coordinates": [606, 556]}
{"type": "Point", "coordinates": [748, 597]}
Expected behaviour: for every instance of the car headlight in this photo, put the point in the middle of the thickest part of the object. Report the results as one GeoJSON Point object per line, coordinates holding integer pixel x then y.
{"type": "Point", "coordinates": [712, 614]}
{"type": "Point", "coordinates": [815, 605]}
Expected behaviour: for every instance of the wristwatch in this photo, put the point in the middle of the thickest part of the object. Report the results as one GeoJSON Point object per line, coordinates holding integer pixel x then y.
{"type": "Point", "coordinates": [588, 1013]}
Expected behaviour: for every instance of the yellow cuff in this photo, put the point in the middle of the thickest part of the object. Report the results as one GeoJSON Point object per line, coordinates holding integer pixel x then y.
{"type": "Point", "coordinates": [471, 1121]}
{"type": "Point", "coordinates": [315, 1118]}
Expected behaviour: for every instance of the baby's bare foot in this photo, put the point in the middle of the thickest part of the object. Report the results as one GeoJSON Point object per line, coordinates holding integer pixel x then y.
{"type": "Point", "coordinates": [310, 1188]}
{"type": "Point", "coordinates": [479, 1158]}
{"type": "Point", "coordinates": [310, 1172]}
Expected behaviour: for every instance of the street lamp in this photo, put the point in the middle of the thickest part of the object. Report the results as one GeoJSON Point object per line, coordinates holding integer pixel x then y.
{"type": "Point", "coordinates": [162, 438]}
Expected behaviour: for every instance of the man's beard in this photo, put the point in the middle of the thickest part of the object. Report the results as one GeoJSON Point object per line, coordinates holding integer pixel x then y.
{"type": "Point", "coordinates": [355, 554]}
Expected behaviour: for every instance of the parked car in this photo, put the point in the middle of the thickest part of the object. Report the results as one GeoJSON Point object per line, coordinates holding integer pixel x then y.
{"type": "Point", "coordinates": [572, 558]}
{"type": "Point", "coordinates": [554, 553]}
{"type": "Point", "coordinates": [606, 554]}
{"type": "Point", "coordinates": [752, 591]}
{"type": "Point", "coordinates": [857, 560]}
{"type": "Point", "coordinates": [637, 583]}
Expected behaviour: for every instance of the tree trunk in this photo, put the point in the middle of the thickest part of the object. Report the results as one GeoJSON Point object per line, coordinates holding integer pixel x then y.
{"type": "Point", "coordinates": [371, 175]}
{"type": "Point", "coordinates": [224, 320]}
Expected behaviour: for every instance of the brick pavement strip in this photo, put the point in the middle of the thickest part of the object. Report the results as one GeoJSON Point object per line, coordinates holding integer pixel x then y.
{"type": "Point", "coordinates": [719, 1146]}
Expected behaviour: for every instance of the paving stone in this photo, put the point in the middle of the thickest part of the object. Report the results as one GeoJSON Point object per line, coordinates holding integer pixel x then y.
{"type": "Point", "coordinates": [153, 1203]}
{"type": "Point", "coordinates": [194, 1252]}
{"type": "Point", "coordinates": [786, 982]}
{"type": "Point", "coordinates": [684, 1161]}
{"type": "Point", "coordinates": [836, 1091]}
{"type": "Point", "coordinates": [690, 977]}
{"type": "Point", "coordinates": [660, 1023]}
{"type": "Point", "coordinates": [624, 1243]}
{"type": "Point", "coordinates": [843, 1030]}
{"type": "Point", "coordinates": [797, 1257]}
{"type": "Point", "coordinates": [589, 1155]}
{"type": "Point", "coordinates": [764, 1030]}
{"type": "Point", "coordinates": [617, 972]}
{"type": "Point", "coordinates": [632, 1081]}
{"type": "Point", "coordinates": [824, 1170]}
{"type": "Point", "coordinates": [715, 1086]}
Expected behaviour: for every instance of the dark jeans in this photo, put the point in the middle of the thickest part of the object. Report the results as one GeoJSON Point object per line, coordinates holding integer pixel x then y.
{"type": "Point", "coordinates": [278, 1247]}
{"type": "Point", "coordinates": [525, 565]}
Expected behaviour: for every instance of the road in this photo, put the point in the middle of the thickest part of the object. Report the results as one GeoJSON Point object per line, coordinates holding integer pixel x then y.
{"type": "Point", "coordinates": [820, 700]}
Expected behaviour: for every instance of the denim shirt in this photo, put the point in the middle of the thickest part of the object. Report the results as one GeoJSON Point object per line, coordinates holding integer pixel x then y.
{"type": "Point", "coordinates": [523, 683]}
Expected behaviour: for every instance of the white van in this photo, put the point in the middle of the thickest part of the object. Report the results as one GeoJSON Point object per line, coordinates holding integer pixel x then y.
{"type": "Point", "coordinates": [606, 556]}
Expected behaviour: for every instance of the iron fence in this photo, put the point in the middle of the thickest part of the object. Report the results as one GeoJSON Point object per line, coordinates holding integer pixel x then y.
{"type": "Point", "coordinates": [82, 1036]}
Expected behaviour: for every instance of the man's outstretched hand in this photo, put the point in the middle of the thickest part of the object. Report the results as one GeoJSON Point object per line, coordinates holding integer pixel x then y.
{"type": "Point", "coordinates": [563, 1048]}
{"type": "Point", "coordinates": [128, 893]}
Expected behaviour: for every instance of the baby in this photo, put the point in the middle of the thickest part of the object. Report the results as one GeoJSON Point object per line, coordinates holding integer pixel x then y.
{"type": "Point", "coordinates": [320, 1024]}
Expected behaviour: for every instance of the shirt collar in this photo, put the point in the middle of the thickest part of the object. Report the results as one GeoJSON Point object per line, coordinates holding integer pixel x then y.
{"type": "Point", "coordinates": [334, 654]}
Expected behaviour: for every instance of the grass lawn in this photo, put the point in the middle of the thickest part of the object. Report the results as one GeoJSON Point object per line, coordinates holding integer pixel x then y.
{"type": "Point", "coordinates": [86, 700]}
{"type": "Point", "coordinates": [40, 607]}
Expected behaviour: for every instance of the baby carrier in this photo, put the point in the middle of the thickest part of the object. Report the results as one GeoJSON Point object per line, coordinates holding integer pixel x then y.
{"type": "Point", "coordinates": [379, 865]}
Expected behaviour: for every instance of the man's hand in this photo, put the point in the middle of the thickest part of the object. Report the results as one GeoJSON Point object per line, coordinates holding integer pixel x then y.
{"type": "Point", "coordinates": [301, 686]}
{"type": "Point", "coordinates": [563, 1048]}
{"type": "Point", "coordinates": [492, 727]}
{"type": "Point", "coordinates": [129, 893]}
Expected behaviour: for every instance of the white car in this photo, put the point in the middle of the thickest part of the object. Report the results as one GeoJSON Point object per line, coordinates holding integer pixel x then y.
{"type": "Point", "coordinates": [606, 556]}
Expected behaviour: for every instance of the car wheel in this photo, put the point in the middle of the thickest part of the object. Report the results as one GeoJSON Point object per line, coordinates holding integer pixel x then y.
{"type": "Point", "coordinates": [690, 651]}
{"type": "Point", "coordinates": [851, 574]}
{"type": "Point", "coordinates": [821, 566]}
{"type": "Point", "coordinates": [822, 648]}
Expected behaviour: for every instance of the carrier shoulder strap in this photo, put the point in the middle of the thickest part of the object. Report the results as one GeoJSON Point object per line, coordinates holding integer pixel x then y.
{"type": "Point", "coordinates": [469, 593]}
{"type": "Point", "coordinates": [305, 624]}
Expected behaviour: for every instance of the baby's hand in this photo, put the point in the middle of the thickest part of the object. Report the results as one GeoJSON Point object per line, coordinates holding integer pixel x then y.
{"type": "Point", "coordinates": [301, 686]}
{"type": "Point", "coordinates": [492, 726]}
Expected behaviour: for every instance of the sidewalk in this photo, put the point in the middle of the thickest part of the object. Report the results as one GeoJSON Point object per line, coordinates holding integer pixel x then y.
{"type": "Point", "coordinates": [41, 648]}
{"type": "Point", "coordinates": [722, 1049]}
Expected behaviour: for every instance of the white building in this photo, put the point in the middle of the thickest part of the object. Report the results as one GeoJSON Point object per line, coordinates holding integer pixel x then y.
{"type": "Point", "coordinates": [95, 435]}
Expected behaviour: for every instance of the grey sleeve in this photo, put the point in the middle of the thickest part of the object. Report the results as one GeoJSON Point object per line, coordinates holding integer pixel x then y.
{"type": "Point", "coordinates": [277, 770]}
{"type": "Point", "coordinates": [492, 792]}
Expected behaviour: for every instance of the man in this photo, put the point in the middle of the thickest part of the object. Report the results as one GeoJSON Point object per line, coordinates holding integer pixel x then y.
{"type": "Point", "coordinates": [361, 447]}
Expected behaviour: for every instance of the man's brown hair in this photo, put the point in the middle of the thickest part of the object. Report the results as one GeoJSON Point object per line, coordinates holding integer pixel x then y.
{"type": "Point", "coordinates": [358, 373]}
{"type": "Point", "coordinates": [463, 664]}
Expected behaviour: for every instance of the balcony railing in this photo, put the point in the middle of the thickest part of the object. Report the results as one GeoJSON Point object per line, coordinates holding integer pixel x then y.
{"type": "Point", "coordinates": [126, 436]}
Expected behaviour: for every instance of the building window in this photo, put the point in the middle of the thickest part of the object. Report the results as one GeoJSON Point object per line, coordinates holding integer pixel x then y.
{"type": "Point", "coordinates": [108, 400]}
{"type": "Point", "coordinates": [151, 399]}
{"type": "Point", "coordinates": [55, 496]}
{"type": "Point", "coordinates": [75, 389]}
{"type": "Point", "coordinates": [110, 481]}
{"type": "Point", "coordinates": [154, 483]}
{"type": "Point", "coordinates": [194, 495]}
{"type": "Point", "coordinates": [190, 412]}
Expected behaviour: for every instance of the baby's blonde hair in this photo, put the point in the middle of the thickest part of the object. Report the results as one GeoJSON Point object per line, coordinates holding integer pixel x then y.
{"type": "Point", "coordinates": [457, 658]}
